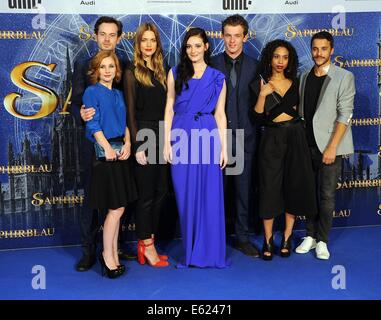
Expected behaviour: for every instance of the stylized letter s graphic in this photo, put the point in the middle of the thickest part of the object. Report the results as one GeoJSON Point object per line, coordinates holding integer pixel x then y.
{"type": "Point", "coordinates": [49, 99]}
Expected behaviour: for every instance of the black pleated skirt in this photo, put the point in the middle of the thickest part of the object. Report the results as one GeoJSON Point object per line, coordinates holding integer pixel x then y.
{"type": "Point", "coordinates": [286, 178]}
{"type": "Point", "coordinates": [112, 184]}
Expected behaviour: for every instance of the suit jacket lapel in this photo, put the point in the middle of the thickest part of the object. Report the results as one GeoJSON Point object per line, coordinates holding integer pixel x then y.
{"type": "Point", "coordinates": [221, 65]}
{"type": "Point", "coordinates": [243, 75]}
{"type": "Point", "coordinates": [302, 89]}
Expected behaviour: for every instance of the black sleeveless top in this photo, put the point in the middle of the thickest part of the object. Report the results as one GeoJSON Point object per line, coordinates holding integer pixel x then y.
{"type": "Point", "coordinates": [275, 104]}
{"type": "Point", "coordinates": [143, 103]}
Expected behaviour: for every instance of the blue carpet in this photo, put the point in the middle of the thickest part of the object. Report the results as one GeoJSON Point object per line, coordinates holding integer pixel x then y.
{"type": "Point", "coordinates": [357, 250]}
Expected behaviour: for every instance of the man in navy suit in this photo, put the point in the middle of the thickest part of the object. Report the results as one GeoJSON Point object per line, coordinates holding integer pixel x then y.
{"type": "Point", "coordinates": [239, 70]}
{"type": "Point", "coordinates": [108, 32]}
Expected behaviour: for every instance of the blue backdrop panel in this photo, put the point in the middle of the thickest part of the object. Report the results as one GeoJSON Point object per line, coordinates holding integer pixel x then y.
{"type": "Point", "coordinates": [40, 165]}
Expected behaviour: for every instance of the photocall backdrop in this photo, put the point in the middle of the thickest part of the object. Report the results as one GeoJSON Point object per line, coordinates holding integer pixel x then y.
{"type": "Point", "coordinates": [40, 164]}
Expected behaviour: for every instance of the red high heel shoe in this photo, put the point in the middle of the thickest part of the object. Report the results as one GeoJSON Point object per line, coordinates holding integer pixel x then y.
{"type": "Point", "coordinates": [142, 258]}
{"type": "Point", "coordinates": [161, 256]}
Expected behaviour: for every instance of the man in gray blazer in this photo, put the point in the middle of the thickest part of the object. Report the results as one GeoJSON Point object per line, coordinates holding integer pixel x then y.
{"type": "Point", "coordinates": [326, 103]}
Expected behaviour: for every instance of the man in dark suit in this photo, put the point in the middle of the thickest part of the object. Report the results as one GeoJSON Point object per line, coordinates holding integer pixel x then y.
{"type": "Point", "coordinates": [239, 70]}
{"type": "Point", "coordinates": [108, 32]}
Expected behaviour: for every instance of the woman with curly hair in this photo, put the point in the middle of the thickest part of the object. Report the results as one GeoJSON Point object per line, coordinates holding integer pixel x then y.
{"type": "Point", "coordinates": [286, 182]}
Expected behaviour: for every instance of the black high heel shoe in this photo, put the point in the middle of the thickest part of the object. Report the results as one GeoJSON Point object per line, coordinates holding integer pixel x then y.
{"type": "Point", "coordinates": [111, 273]}
{"type": "Point", "coordinates": [286, 245]}
{"type": "Point", "coordinates": [268, 247]}
{"type": "Point", "coordinates": [122, 267]}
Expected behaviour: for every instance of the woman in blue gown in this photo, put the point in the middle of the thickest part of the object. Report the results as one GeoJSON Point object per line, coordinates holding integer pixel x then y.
{"type": "Point", "coordinates": [195, 145]}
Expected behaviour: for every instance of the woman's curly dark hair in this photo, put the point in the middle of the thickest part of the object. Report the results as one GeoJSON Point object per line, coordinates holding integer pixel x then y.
{"type": "Point", "coordinates": [185, 70]}
{"type": "Point", "coordinates": [265, 69]}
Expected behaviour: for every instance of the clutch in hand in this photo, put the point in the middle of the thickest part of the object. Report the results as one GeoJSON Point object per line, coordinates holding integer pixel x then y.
{"type": "Point", "coordinates": [100, 152]}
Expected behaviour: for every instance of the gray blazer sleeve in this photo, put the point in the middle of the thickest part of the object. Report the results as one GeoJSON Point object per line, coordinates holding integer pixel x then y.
{"type": "Point", "coordinates": [345, 99]}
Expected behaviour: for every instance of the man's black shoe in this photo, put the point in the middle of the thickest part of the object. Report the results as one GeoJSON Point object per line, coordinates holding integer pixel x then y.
{"type": "Point", "coordinates": [123, 255]}
{"type": "Point", "coordinates": [86, 262]}
{"type": "Point", "coordinates": [248, 249]}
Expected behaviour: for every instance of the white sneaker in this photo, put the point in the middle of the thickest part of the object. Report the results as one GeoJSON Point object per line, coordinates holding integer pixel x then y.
{"type": "Point", "coordinates": [307, 244]}
{"type": "Point", "coordinates": [322, 251]}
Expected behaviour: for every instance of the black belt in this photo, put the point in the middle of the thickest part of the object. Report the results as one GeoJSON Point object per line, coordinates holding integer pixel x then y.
{"type": "Point", "coordinates": [116, 139]}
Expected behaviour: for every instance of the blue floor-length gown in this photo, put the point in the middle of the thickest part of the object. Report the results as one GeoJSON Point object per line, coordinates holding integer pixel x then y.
{"type": "Point", "coordinates": [197, 180]}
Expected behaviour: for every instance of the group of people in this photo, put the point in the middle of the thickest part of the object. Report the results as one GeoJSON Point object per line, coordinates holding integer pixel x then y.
{"type": "Point", "coordinates": [306, 128]}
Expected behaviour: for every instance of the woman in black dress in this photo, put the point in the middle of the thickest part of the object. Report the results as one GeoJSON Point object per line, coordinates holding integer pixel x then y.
{"type": "Point", "coordinates": [145, 95]}
{"type": "Point", "coordinates": [286, 182]}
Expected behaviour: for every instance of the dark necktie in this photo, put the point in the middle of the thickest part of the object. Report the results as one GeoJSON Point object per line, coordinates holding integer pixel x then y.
{"type": "Point", "coordinates": [233, 74]}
